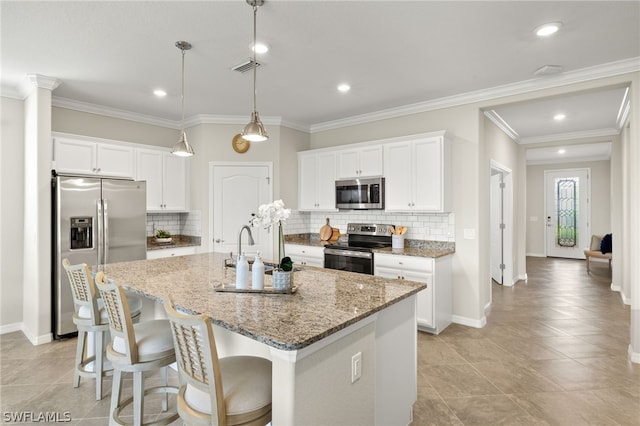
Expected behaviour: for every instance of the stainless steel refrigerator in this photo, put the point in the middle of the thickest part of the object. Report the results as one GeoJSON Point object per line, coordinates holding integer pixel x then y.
{"type": "Point", "coordinates": [94, 221]}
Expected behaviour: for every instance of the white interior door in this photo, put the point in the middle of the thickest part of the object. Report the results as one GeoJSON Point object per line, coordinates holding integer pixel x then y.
{"type": "Point", "coordinates": [238, 189]}
{"type": "Point", "coordinates": [568, 212]}
{"type": "Point", "coordinates": [497, 234]}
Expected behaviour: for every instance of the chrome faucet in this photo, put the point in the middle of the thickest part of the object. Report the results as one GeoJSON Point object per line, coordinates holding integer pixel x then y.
{"type": "Point", "coordinates": [251, 242]}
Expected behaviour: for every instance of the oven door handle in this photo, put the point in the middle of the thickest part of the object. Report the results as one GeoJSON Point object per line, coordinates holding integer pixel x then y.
{"type": "Point", "coordinates": [349, 253]}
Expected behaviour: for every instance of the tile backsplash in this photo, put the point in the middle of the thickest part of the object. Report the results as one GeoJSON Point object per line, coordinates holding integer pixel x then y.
{"type": "Point", "coordinates": [188, 223]}
{"type": "Point", "coordinates": [423, 226]}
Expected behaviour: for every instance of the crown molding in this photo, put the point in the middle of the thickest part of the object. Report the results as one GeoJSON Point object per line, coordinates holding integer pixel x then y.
{"type": "Point", "coordinates": [32, 81]}
{"type": "Point", "coordinates": [113, 112]}
{"type": "Point", "coordinates": [496, 119]}
{"type": "Point", "coordinates": [625, 108]}
{"type": "Point", "coordinates": [570, 136]}
{"type": "Point", "coordinates": [570, 160]}
{"type": "Point", "coordinates": [585, 74]}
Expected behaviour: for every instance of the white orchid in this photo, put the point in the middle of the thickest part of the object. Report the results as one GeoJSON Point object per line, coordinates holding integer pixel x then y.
{"type": "Point", "coordinates": [270, 214]}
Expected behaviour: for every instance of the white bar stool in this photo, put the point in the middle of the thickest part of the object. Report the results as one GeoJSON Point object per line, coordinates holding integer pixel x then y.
{"type": "Point", "coordinates": [135, 348]}
{"type": "Point", "coordinates": [235, 390]}
{"type": "Point", "coordinates": [93, 324]}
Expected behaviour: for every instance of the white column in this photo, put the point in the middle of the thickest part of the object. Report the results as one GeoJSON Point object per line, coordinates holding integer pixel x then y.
{"type": "Point", "coordinates": [634, 222]}
{"type": "Point", "coordinates": [37, 208]}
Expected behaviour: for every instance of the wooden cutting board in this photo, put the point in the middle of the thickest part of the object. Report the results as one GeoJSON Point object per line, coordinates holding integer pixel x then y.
{"type": "Point", "coordinates": [326, 231]}
{"type": "Point", "coordinates": [335, 234]}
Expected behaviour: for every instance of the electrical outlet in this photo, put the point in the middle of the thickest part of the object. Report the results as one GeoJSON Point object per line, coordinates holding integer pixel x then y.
{"type": "Point", "coordinates": [356, 367]}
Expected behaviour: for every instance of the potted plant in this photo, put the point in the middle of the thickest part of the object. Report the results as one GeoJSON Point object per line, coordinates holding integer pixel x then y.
{"type": "Point", "coordinates": [162, 236]}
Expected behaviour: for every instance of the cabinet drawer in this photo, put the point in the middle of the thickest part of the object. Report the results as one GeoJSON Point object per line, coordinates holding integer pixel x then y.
{"type": "Point", "coordinates": [422, 264]}
{"type": "Point", "coordinates": [169, 252]}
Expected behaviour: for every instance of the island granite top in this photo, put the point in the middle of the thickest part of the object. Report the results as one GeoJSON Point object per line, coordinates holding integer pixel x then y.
{"type": "Point", "coordinates": [326, 300]}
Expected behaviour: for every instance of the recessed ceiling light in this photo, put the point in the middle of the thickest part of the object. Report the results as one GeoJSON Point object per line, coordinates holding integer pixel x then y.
{"type": "Point", "coordinates": [344, 88]}
{"type": "Point", "coordinates": [559, 117]}
{"type": "Point", "coordinates": [260, 48]}
{"type": "Point", "coordinates": [548, 29]}
{"type": "Point", "coordinates": [160, 93]}
{"type": "Point", "coordinates": [562, 151]}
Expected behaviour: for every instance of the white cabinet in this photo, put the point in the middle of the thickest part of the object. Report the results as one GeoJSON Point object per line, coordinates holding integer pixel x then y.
{"type": "Point", "coordinates": [435, 304]}
{"type": "Point", "coordinates": [360, 162]}
{"type": "Point", "coordinates": [305, 255]}
{"type": "Point", "coordinates": [87, 157]}
{"type": "Point", "coordinates": [166, 176]}
{"type": "Point", "coordinates": [417, 175]}
{"type": "Point", "coordinates": [316, 181]}
{"type": "Point", "coordinates": [169, 252]}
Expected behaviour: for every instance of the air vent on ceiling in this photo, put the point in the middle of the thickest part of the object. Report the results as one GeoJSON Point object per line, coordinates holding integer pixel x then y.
{"type": "Point", "coordinates": [246, 66]}
{"type": "Point", "coordinates": [548, 70]}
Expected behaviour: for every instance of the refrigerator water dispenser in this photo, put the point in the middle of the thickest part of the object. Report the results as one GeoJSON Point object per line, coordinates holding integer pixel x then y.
{"type": "Point", "coordinates": [81, 232]}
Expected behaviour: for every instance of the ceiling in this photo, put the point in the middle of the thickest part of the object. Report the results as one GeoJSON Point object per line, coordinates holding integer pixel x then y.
{"type": "Point", "coordinates": [398, 56]}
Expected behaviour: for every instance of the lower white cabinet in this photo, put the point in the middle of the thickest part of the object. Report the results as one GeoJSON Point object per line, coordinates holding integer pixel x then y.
{"type": "Point", "coordinates": [435, 303]}
{"type": "Point", "coordinates": [305, 255]}
{"type": "Point", "coordinates": [168, 252]}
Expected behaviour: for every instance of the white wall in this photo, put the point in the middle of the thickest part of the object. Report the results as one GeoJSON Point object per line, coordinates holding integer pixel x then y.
{"type": "Point", "coordinates": [11, 213]}
{"type": "Point", "coordinates": [600, 201]}
{"type": "Point", "coordinates": [502, 149]}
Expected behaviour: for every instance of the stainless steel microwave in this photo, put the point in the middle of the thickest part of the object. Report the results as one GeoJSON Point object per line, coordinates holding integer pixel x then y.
{"type": "Point", "coordinates": [360, 194]}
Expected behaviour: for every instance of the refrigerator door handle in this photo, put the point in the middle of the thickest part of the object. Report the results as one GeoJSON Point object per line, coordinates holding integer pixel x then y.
{"type": "Point", "coordinates": [106, 231]}
{"type": "Point", "coordinates": [100, 232]}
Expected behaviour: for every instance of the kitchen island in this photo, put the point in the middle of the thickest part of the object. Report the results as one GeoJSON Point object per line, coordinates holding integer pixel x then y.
{"type": "Point", "coordinates": [312, 337]}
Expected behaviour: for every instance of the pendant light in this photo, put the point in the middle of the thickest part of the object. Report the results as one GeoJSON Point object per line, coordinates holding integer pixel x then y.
{"type": "Point", "coordinates": [182, 148]}
{"type": "Point", "coordinates": [254, 131]}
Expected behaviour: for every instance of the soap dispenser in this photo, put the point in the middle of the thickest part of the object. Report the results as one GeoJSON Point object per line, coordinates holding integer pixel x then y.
{"type": "Point", "coordinates": [242, 272]}
{"type": "Point", "coordinates": [257, 279]}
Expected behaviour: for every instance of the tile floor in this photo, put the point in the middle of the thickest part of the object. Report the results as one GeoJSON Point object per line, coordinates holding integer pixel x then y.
{"type": "Point", "coordinates": [553, 352]}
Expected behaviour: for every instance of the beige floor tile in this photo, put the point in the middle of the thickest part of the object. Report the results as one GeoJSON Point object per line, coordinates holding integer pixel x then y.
{"type": "Point", "coordinates": [515, 377]}
{"type": "Point", "coordinates": [490, 410]}
{"type": "Point", "coordinates": [457, 380]}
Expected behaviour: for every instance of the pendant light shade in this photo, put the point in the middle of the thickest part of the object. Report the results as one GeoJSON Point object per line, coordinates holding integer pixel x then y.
{"type": "Point", "coordinates": [254, 131]}
{"type": "Point", "coordinates": [182, 148]}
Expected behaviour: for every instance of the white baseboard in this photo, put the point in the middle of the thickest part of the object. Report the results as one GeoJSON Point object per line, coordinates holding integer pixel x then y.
{"type": "Point", "coordinates": [10, 328]}
{"type": "Point", "coordinates": [523, 277]}
{"type": "Point", "coordinates": [469, 322]}
{"type": "Point", "coordinates": [536, 254]}
{"type": "Point", "coordinates": [626, 300]}
{"type": "Point", "coordinates": [633, 356]}
{"type": "Point", "coordinates": [36, 340]}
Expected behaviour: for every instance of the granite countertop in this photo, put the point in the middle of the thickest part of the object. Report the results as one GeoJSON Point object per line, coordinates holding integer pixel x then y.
{"type": "Point", "coordinates": [176, 241]}
{"type": "Point", "coordinates": [420, 248]}
{"type": "Point", "coordinates": [326, 300]}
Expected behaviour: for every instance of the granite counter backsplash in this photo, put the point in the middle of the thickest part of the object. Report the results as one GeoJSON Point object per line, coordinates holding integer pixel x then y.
{"type": "Point", "coordinates": [176, 241]}
{"type": "Point", "coordinates": [422, 248]}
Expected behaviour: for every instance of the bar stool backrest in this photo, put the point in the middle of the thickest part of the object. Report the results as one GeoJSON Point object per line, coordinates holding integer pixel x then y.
{"type": "Point", "coordinates": [120, 322]}
{"type": "Point", "coordinates": [83, 290]}
{"type": "Point", "coordinates": [197, 357]}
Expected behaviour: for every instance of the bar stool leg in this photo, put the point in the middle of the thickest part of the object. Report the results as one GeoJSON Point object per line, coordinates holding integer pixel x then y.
{"type": "Point", "coordinates": [82, 335]}
{"type": "Point", "coordinates": [164, 373]}
{"type": "Point", "coordinates": [138, 398]}
{"type": "Point", "coordinates": [116, 390]}
{"type": "Point", "coordinates": [98, 367]}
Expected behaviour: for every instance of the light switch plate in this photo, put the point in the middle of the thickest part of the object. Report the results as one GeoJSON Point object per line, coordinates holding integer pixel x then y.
{"type": "Point", "coordinates": [356, 367]}
{"type": "Point", "coordinates": [469, 234]}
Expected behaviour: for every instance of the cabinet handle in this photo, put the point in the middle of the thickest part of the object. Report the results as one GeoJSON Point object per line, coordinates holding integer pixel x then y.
{"type": "Point", "coordinates": [218, 240]}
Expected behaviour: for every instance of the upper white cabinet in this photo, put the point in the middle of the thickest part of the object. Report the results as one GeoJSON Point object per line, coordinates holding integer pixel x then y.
{"type": "Point", "coordinates": [87, 157]}
{"type": "Point", "coordinates": [417, 174]}
{"type": "Point", "coordinates": [166, 176]}
{"type": "Point", "coordinates": [360, 162]}
{"type": "Point", "coordinates": [316, 180]}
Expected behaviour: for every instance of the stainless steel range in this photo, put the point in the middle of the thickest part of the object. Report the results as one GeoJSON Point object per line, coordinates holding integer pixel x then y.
{"type": "Point", "coordinates": [356, 255]}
